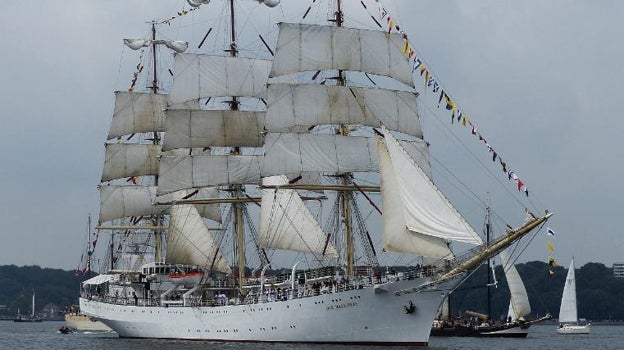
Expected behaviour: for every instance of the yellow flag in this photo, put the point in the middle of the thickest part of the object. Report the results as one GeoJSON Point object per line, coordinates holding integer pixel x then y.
{"type": "Point", "coordinates": [405, 48]}
{"type": "Point", "coordinates": [551, 248]}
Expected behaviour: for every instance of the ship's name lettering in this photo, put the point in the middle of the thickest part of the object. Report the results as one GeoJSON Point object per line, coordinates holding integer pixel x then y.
{"type": "Point", "coordinates": [341, 306]}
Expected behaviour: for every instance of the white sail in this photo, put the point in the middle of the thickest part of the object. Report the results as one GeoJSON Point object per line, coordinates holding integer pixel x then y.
{"type": "Point", "coordinates": [286, 222]}
{"type": "Point", "coordinates": [303, 106]}
{"type": "Point", "coordinates": [199, 76]}
{"type": "Point", "coordinates": [118, 202]}
{"type": "Point", "coordinates": [126, 160]}
{"type": "Point", "coordinates": [519, 302]}
{"type": "Point", "coordinates": [308, 47]}
{"type": "Point", "coordinates": [296, 153]}
{"type": "Point", "coordinates": [190, 242]}
{"type": "Point", "coordinates": [209, 128]}
{"type": "Point", "coordinates": [182, 172]}
{"type": "Point", "coordinates": [137, 112]}
{"type": "Point", "coordinates": [567, 310]}
{"type": "Point", "coordinates": [396, 235]}
{"type": "Point", "coordinates": [207, 211]}
{"type": "Point", "coordinates": [417, 217]}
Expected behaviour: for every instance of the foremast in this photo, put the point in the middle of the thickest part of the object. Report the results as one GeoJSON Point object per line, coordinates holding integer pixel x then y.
{"type": "Point", "coordinates": [157, 220]}
{"type": "Point", "coordinates": [139, 114]}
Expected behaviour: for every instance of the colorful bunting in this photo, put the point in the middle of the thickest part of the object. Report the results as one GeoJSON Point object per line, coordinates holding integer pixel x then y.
{"type": "Point", "coordinates": [180, 14]}
{"type": "Point", "coordinates": [432, 83]}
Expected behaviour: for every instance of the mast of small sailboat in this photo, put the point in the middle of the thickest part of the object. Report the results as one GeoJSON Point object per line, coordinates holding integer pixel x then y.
{"type": "Point", "coordinates": [32, 313]}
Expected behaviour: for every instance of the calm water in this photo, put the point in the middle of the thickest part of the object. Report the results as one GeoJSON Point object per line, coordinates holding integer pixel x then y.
{"type": "Point", "coordinates": [45, 336]}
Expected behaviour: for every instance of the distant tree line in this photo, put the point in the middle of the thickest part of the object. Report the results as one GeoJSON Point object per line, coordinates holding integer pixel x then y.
{"type": "Point", "coordinates": [600, 295]}
{"type": "Point", "coordinates": [50, 286]}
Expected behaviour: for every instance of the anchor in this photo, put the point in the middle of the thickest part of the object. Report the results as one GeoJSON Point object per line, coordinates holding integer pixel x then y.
{"type": "Point", "coordinates": [409, 308]}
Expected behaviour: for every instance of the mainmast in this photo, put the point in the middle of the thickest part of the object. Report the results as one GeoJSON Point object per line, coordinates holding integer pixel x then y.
{"type": "Point", "coordinates": [237, 189]}
{"type": "Point", "coordinates": [345, 196]}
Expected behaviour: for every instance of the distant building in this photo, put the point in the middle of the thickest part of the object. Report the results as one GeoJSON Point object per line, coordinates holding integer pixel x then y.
{"type": "Point", "coordinates": [618, 270]}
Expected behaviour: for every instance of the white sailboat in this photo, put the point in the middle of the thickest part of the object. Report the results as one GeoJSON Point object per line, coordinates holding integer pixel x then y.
{"type": "Point", "coordinates": [568, 317]}
{"type": "Point", "coordinates": [235, 124]}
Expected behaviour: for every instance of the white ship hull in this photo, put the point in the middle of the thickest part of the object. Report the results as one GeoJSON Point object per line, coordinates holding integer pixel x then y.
{"type": "Point", "coordinates": [362, 316]}
{"type": "Point", "coordinates": [572, 329]}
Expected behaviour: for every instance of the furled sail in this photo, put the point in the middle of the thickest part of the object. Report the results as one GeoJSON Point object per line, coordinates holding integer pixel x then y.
{"type": "Point", "coordinates": [417, 217]}
{"type": "Point", "coordinates": [137, 112]}
{"type": "Point", "coordinates": [309, 105]}
{"type": "Point", "coordinates": [296, 153]}
{"type": "Point", "coordinates": [519, 302]}
{"type": "Point", "coordinates": [210, 128]}
{"type": "Point", "coordinates": [126, 160]}
{"type": "Point", "coordinates": [190, 242]}
{"type": "Point", "coordinates": [567, 311]}
{"type": "Point", "coordinates": [205, 170]}
{"type": "Point", "coordinates": [286, 223]}
{"type": "Point", "coordinates": [308, 47]}
{"type": "Point", "coordinates": [200, 76]}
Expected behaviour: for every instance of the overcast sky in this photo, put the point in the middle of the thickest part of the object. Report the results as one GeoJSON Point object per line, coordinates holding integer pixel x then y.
{"type": "Point", "coordinates": [541, 79]}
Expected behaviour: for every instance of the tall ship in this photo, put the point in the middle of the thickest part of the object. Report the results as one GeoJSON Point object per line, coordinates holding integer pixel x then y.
{"type": "Point", "coordinates": [276, 185]}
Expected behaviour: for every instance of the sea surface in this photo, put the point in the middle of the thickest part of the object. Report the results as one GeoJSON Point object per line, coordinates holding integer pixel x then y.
{"type": "Point", "coordinates": [45, 336]}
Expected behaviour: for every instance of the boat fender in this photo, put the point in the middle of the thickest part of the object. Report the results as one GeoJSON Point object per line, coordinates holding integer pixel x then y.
{"type": "Point", "coordinates": [410, 308]}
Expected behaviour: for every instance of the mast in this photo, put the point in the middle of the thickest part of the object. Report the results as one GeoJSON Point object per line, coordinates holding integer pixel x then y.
{"type": "Point", "coordinates": [89, 248]}
{"type": "Point", "coordinates": [345, 197]}
{"type": "Point", "coordinates": [112, 253]}
{"type": "Point", "coordinates": [489, 260]}
{"type": "Point", "coordinates": [237, 189]}
{"type": "Point", "coordinates": [155, 77]}
{"type": "Point", "coordinates": [157, 221]}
